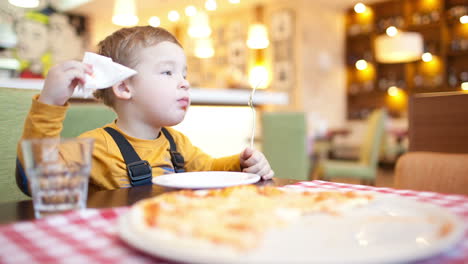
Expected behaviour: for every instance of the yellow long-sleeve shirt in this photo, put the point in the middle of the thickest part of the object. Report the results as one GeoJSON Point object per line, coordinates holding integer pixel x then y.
{"type": "Point", "coordinates": [108, 169]}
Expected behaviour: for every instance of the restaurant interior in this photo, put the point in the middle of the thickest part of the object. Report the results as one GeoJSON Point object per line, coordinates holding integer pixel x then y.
{"type": "Point", "coordinates": [320, 70]}
{"type": "Point", "coordinates": [367, 97]}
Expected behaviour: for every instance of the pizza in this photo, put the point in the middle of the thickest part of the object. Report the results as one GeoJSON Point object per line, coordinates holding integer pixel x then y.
{"type": "Point", "coordinates": [236, 217]}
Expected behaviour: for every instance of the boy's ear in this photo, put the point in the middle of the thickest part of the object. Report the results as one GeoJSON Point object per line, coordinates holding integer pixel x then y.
{"type": "Point", "coordinates": [122, 90]}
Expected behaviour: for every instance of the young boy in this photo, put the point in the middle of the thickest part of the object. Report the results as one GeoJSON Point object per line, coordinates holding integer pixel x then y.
{"type": "Point", "coordinates": [156, 97]}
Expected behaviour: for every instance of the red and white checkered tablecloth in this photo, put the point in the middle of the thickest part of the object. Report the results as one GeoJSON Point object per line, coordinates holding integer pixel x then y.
{"type": "Point", "coordinates": [90, 236]}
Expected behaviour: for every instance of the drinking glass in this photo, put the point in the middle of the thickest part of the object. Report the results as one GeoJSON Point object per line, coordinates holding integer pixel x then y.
{"type": "Point", "coordinates": [58, 173]}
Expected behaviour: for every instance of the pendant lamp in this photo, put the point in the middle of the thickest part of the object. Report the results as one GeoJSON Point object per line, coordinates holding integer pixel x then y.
{"type": "Point", "coordinates": [401, 48]}
{"type": "Point", "coordinates": [199, 25]}
{"type": "Point", "coordinates": [258, 33]}
{"type": "Point", "coordinates": [125, 13]}
{"type": "Point", "coordinates": [204, 48]}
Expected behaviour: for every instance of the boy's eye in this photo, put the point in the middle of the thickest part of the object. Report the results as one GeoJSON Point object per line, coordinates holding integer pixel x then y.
{"type": "Point", "coordinates": [167, 73]}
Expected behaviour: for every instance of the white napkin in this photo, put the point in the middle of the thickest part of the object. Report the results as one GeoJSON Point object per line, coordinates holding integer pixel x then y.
{"type": "Point", "coordinates": [105, 73]}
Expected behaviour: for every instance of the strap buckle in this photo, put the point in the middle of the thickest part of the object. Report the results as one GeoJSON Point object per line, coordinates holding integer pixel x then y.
{"type": "Point", "coordinates": [177, 160]}
{"type": "Point", "coordinates": [140, 172]}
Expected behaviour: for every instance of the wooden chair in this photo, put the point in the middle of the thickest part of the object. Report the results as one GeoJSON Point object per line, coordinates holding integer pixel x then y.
{"type": "Point", "coordinates": [438, 122]}
{"type": "Point", "coordinates": [433, 171]}
{"type": "Point", "coordinates": [438, 144]}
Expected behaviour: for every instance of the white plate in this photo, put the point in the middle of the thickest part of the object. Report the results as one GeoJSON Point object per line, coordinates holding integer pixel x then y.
{"type": "Point", "coordinates": [390, 229]}
{"type": "Point", "coordinates": [205, 179]}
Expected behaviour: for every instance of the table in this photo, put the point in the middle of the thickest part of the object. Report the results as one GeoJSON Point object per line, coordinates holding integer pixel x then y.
{"type": "Point", "coordinates": [90, 236]}
{"type": "Point", "coordinates": [323, 146]}
{"type": "Point", "coordinates": [400, 135]}
{"type": "Point", "coordinates": [23, 210]}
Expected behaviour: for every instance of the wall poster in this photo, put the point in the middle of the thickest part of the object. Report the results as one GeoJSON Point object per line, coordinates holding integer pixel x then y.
{"type": "Point", "coordinates": [282, 29]}
{"type": "Point", "coordinates": [41, 38]}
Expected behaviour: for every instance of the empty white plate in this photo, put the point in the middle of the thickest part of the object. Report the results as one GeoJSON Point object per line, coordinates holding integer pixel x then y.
{"type": "Point", "coordinates": [205, 179]}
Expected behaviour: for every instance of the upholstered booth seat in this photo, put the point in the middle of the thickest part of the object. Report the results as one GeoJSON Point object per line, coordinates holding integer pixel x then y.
{"type": "Point", "coordinates": [284, 141]}
{"type": "Point", "coordinates": [82, 117]}
{"type": "Point", "coordinates": [433, 171]}
{"type": "Point", "coordinates": [14, 106]}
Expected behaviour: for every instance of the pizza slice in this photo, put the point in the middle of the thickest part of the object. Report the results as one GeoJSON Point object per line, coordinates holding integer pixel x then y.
{"type": "Point", "coordinates": [236, 217]}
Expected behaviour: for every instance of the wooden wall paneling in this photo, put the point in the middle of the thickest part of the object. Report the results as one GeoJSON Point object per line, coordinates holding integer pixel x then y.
{"type": "Point", "coordinates": [438, 122]}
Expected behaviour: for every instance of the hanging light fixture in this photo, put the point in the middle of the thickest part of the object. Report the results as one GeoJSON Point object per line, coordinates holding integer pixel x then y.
{"type": "Point", "coordinates": [464, 86]}
{"type": "Point", "coordinates": [259, 76]}
{"type": "Point", "coordinates": [464, 19]}
{"type": "Point", "coordinates": [391, 31]}
{"type": "Point", "coordinates": [258, 37]}
{"type": "Point", "coordinates": [401, 48]}
{"type": "Point", "coordinates": [258, 40]}
{"type": "Point", "coordinates": [25, 3]}
{"type": "Point", "coordinates": [190, 10]}
{"type": "Point", "coordinates": [258, 33]}
{"type": "Point", "coordinates": [154, 21]}
{"type": "Point", "coordinates": [204, 48]}
{"type": "Point", "coordinates": [393, 91]}
{"type": "Point", "coordinates": [125, 13]}
{"type": "Point", "coordinates": [360, 8]}
{"type": "Point", "coordinates": [211, 5]}
{"type": "Point", "coordinates": [173, 16]}
{"type": "Point", "coordinates": [427, 57]}
{"type": "Point", "coordinates": [199, 26]}
{"type": "Point", "coordinates": [361, 65]}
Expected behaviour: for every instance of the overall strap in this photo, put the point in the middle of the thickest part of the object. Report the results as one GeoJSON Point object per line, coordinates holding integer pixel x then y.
{"type": "Point", "coordinates": [21, 179]}
{"type": "Point", "coordinates": [177, 159]}
{"type": "Point", "coordinates": [139, 171]}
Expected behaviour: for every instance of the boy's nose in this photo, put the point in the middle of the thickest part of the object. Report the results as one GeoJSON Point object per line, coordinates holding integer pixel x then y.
{"type": "Point", "coordinates": [184, 84]}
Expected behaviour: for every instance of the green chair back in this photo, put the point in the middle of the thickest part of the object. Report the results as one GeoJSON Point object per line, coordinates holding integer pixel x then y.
{"type": "Point", "coordinates": [284, 141]}
{"type": "Point", "coordinates": [82, 117]}
{"type": "Point", "coordinates": [370, 149]}
{"type": "Point", "coordinates": [365, 168]}
{"type": "Point", "coordinates": [14, 106]}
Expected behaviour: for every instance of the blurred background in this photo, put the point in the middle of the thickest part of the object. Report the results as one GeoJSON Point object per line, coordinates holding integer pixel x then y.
{"type": "Point", "coordinates": [332, 61]}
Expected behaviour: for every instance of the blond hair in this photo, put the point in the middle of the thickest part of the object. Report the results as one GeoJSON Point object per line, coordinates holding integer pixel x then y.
{"type": "Point", "coordinates": [121, 46]}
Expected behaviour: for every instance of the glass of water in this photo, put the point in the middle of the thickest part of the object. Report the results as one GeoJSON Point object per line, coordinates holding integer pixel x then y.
{"type": "Point", "coordinates": [58, 173]}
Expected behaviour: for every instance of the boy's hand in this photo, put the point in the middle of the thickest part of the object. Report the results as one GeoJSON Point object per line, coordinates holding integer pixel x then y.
{"type": "Point", "coordinates": [253, 161]}
{"type": "Point", "coordinates": [62, 80]}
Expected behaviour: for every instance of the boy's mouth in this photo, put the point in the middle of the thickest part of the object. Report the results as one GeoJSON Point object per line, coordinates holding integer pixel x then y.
{"type": "Point", "coordinates": [184, 102]}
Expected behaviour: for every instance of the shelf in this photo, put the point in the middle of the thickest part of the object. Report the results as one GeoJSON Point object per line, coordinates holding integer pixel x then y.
{"type": "Point", "coordinates": [432, 26]}
{"type": "Point", "coordinates": [427, 89]}
{"type": "Point", "coordinates": [360, 35]}
{"type": "Point", "coordinates": [365, 95]}
{"type": "Point", "coordinates": [439, 30]}
{"type": "Point", "coordinates": [457, 53]}
{"type": "Point", "coordinates": [453, 22]}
